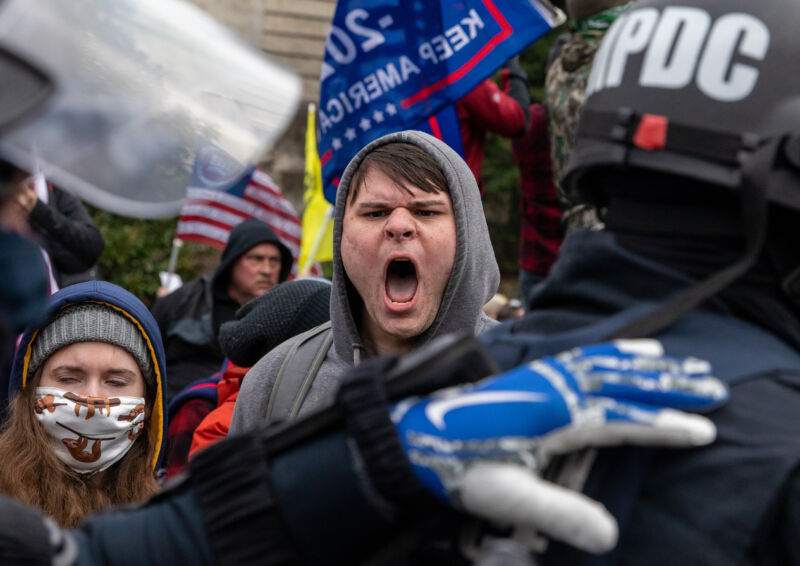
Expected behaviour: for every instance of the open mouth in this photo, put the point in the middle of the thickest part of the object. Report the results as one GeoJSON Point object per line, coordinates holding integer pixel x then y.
{"type": "Point", "coordinates": [401, 281]}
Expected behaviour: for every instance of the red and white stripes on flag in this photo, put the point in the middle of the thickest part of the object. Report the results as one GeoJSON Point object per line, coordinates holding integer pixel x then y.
{"type": "Point", "coordinates": [209, 216]}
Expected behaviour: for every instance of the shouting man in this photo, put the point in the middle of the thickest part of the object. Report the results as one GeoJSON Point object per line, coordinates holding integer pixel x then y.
{"type": "Point", "coordinates": [412, 261]}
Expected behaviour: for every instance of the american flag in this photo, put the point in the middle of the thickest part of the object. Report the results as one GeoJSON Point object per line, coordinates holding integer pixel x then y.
{"type": "Point", "coordinates": [209, 214]}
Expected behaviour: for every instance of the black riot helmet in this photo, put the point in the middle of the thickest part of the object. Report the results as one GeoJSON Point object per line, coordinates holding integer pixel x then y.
{"type": "Point", "coordinates": [704, 91]}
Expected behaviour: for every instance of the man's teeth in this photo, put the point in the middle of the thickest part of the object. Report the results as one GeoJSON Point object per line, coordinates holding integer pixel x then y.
{"type": "Point", "coordinates": [401, 282]}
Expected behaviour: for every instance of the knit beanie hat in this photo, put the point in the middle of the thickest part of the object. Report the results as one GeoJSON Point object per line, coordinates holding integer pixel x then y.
{"type": "Point", "coordinates": [580, 9]}
{"type": "Point", "coordinates": [282, 312]}
{"type": "Point", "coordinates": [91, 322]}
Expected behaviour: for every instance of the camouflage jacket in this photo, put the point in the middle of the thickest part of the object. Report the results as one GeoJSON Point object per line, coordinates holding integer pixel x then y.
{"type": "Point", "coordinates": [565, 93]}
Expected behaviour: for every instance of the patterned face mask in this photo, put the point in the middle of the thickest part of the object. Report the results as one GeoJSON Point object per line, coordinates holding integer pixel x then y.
{"type": "Point", "coordinates": [89, 434]}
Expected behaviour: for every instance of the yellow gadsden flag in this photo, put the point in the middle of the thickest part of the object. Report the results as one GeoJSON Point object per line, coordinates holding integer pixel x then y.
{"type": "Point", "coordinates": [317, 239]}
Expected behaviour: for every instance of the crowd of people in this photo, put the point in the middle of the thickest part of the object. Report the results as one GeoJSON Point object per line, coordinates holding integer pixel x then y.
{"type": "Point", "coordinates": [405, 412]}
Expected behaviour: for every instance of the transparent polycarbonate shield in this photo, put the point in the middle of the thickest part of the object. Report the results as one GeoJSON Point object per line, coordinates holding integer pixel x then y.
{"type": "Point", "coordinates": [142, 87]}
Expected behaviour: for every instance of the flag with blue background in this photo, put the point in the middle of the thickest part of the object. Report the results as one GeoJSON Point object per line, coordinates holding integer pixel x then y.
{"type": "Point", "coordinates": [392, 65]}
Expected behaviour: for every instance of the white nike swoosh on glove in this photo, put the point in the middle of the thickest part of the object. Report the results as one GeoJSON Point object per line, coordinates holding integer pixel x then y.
{"type": "Point", "coordinates": [436, 410]}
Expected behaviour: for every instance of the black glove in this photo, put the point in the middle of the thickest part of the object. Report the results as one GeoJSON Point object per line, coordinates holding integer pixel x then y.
{"type": "Point", "coordinates": [27, 537]}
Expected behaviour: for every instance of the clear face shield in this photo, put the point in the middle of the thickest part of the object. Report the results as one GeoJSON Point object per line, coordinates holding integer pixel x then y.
{"type": "Point", "coordinates": [120, 101]}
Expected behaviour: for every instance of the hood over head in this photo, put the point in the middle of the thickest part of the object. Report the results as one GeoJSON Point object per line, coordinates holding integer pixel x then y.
{"type": "Point", "coordinates": [475, 275]}
{"type": "Point", "coordinates": [244, 236]}
{"type": "Point", "coordinates": [109, 296]}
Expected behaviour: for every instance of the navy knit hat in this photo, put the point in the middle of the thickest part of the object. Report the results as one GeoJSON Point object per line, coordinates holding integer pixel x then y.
{"type": "Point", "coordinates": [282, 312]}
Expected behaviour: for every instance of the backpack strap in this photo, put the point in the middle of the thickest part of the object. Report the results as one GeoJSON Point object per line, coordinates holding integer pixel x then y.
{"type": "Point", "coordinates": [298, 371]}
{"type": "Point", "coordinates": [205, 388]}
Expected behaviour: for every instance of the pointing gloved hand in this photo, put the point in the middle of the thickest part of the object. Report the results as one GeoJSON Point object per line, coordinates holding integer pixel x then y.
{"type": "Point", "coordinates": [482, 447]}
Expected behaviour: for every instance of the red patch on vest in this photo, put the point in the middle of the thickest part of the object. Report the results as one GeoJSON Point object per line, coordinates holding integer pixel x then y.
{"type": "Point", "coordinates": [651, 134]}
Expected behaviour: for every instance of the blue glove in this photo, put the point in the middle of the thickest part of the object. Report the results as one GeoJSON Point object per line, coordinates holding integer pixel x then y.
{"type": "Point", "coordinates": [481, 447]}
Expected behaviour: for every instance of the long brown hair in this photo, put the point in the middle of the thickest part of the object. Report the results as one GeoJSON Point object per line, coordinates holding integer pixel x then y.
{"type": "Point", "coordinates": [32, 473]}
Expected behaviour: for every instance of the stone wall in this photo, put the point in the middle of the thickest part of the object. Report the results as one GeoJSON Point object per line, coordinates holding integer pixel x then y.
{"type": "Point", "coordinates": [293, 33]}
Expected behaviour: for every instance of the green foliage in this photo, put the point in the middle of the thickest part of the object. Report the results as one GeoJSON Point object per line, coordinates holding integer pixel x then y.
{"type": "Point", "coordinates": [501, 202]}
{"type": "Point", "coordinates": [136, 250]}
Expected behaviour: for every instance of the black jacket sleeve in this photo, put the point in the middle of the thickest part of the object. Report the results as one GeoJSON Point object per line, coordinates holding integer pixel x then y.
{"type": "Point", "coordinates": [68, 233]}
{"type": "Point", "coordinates": [776, 541]}
{"type": "Point", "coordinates": [306, 508]}
{"type": "Point", "coordinates": [168, 530]}
{"type": "Point", "coordinates": [332, 488]}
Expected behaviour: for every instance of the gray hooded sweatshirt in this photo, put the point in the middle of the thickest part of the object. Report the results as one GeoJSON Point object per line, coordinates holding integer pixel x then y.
{"type": "Point", "coordinates": [473, 281]}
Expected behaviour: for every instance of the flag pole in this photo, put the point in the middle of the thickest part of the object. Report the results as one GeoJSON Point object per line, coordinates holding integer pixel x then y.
{"type": "Point", "coordinates": [167, 277]}
{"type": "Point", "coordinates": [177, 244]}
{"type": "Point", "coordinates": [306, 268]}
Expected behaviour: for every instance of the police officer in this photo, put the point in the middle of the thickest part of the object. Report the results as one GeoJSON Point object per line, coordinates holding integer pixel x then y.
{"type": "Point", "coordinates": [690, 137]}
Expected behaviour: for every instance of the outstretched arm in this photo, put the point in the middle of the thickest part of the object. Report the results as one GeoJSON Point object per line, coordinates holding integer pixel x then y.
{"type": "Point", "coordinates": [337, 486]}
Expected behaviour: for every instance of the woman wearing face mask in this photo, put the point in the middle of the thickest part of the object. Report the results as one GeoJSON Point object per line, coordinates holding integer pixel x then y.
{"type": "Point", "coordinates": [86, 428]}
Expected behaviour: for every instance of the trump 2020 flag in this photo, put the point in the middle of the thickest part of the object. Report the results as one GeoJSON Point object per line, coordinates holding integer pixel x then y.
{"type": "Point", "coordinates": [392, 65]}
{"type": "Point", "coordinates": [223, 193]}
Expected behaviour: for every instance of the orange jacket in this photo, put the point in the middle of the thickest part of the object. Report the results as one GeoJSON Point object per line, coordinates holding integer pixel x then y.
{"type": "Point", "coordinates": [214, 427]}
